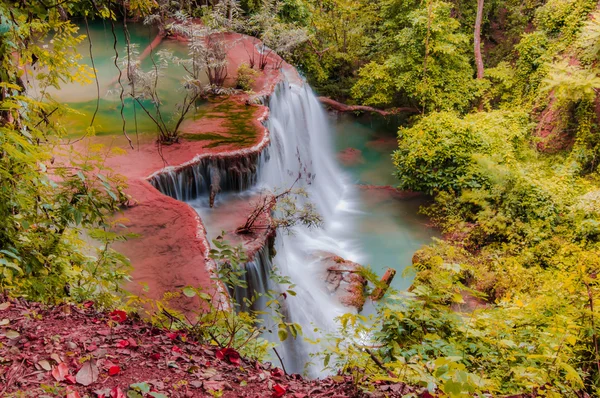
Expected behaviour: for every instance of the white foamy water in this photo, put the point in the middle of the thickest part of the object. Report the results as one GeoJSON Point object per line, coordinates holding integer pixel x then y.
{"type": "Point", "coordinates": [301, 143]}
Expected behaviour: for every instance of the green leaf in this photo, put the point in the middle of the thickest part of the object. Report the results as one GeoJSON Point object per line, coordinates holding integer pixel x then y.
{"type": "Point", "coordinates": [283, 334]}
{"type": "Point", "coordinates": [189, 291]}
{"type": "Point", "coordinates": [141, 387]}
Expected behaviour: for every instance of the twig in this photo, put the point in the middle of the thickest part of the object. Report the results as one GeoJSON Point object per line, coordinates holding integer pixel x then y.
{"type": "Point", "coordinates": [280, 361]}
{"type": "Point", "coordinates": [379, 363]}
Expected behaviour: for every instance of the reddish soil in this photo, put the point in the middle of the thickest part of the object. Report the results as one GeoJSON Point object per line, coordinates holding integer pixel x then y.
{"type": "Point", "coordinates": [386, 192]}
{"type": "Point", "coordinates": [78, 352]}
{"type": "Point", "coordinates": [551, 131]}
{"type": "Point", "coordinates": [228, 217]}
{"type": "Point", "coordinates": [383, 144]}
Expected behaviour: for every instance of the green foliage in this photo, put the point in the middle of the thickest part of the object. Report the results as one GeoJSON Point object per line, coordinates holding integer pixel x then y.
{"type": "Point", "coordinates": [517, 345]}
{"type": "Point", "coordinates": [230, 315]}
{"type": "Point", "coordinates": [245, 77]}
{"type": "Point", "coordinates": [428, 63]}
{"type": "Point", "coordinates": [46, 207]}
{"type": "Point", "coordinates": [446, 152]}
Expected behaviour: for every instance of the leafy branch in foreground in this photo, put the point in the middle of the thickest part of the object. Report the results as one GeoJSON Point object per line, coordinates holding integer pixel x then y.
{"type": "Point", "coordinates": [285, 209]}
{"type": "Point", "coordinates": [45, 207]}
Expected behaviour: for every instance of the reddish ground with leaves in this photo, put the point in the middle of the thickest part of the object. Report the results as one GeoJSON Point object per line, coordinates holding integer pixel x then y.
{"type": "Point", "coordinates": [77, 352]}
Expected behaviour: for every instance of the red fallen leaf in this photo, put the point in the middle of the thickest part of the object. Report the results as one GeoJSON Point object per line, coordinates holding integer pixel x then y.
{"type": "Point", "coordinates": [114, 370]}
{"type": "Point", "coordinates": [70, 379]}
{"type": "Point", "coordinates": [92, 347]}
{"type": "Point", "coordinates": [88, 304]}
{"type": "Point", "coordinates": [155, 356]}
{"type": "Point", "coordinates": [277, 372]}
{"type": "Point", "coordinates": [232, 355]}
{"type": "Point", "coordinates": [117, 393]}
{"type": "Point", "coordinates": [118, 316]}
{"type": "Point", "coordinates": [60, 371]}
{"type": "Point", "coordinates": [279, 390]}
{"type": "Point", "coordinates": [172, 336]}
{"type": "Point", "coordinates": [73, 394]}
{"type": "Point", "coordinates": [235, 360]}
{"type": "Point", "coordinates": [123, 344]}
{"type": "Point", "coordinates": [132, 342]}
{"type": "Point", "coordinates": [176, 349]}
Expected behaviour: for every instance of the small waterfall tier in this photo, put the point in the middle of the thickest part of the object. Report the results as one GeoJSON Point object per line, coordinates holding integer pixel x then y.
{"type": "Point", "coordinates": [209, 176]}
{"type": "Point", "coordinates": [257, 279]}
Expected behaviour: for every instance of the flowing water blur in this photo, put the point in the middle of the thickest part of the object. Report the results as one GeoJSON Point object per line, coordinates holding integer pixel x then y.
{"type": "Point", "coordinates": [358, 224]}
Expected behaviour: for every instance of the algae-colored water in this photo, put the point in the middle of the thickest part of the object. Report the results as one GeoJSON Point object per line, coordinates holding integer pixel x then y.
{"type": "Point", "coordinates": [389, 230]}
{"type": "Point", "coordinates": [83, 98]}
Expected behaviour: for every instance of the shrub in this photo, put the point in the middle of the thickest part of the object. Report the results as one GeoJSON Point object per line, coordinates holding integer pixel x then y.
{"type": "Point", "coordinates": [245, 77]}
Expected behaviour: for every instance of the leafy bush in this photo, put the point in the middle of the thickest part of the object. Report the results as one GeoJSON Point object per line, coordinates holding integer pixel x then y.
{"type": "Point", "coordinates": [245, 77]}
{"type": "Point", "coordinates": [446, 152]}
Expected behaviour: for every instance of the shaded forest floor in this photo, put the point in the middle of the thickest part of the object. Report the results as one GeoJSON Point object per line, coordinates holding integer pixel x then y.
{"type": "Point", "coordinates": [73, 352]}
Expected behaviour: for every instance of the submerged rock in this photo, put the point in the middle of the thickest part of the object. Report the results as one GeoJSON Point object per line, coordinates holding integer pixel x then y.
{"type": "Point", "coordinates": [350, 157]}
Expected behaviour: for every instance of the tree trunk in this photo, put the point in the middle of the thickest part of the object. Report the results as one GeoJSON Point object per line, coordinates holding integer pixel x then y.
{"type": "Point", "coordinates": [477, 39]}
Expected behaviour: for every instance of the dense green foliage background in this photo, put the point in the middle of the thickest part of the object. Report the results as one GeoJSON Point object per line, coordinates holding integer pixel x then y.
{"type": "Point", "coordinates": [511, 163]}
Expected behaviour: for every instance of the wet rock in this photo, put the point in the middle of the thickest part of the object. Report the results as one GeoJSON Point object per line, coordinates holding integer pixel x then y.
{"type": "Point", "coordinates": [215, 186]}
{"type": "Point", "coordinates": [344, 281]}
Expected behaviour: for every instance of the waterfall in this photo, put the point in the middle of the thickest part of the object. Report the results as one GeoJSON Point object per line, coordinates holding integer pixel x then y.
{"type": "Point", "coordinates": [257, 280]}
{"type": "Point", "coordinates": [209, 174]}
{"type": "Point", "coordinates": [301, 143]}
{"type": "Point", "coordinates": [300, 146]}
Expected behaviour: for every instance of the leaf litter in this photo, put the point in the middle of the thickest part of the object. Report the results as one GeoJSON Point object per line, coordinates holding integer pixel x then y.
{"type": "Point", "coordinates": [86, 353]}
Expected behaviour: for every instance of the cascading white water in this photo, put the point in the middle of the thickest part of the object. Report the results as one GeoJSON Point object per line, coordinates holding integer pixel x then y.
{"type": "Point", "coordinates": [301, 144]}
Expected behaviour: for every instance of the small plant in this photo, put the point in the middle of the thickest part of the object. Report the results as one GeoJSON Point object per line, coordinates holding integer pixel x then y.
{"type": "Point", "coordinates": [245, 77]}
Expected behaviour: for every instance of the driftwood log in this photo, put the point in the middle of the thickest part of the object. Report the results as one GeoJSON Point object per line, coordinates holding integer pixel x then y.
{"type": "Point", "coordinates": [386, 280]}
{"type": "Point", "coordinates": [338, 106]}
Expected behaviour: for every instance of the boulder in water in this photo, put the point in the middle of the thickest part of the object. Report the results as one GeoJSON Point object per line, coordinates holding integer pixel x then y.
{"type": "Point", "coordinates": [343, 280]}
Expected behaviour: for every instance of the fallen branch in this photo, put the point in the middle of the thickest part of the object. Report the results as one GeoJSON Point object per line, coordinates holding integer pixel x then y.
{"type": "Point", "coordinates": [343, 270]}
{"type": "Point", "coordinates": [338, 106]}
{"type": "Point", "coordinates": [379, 363]}
{"type": "Point", "coordinates": [385, 282]}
